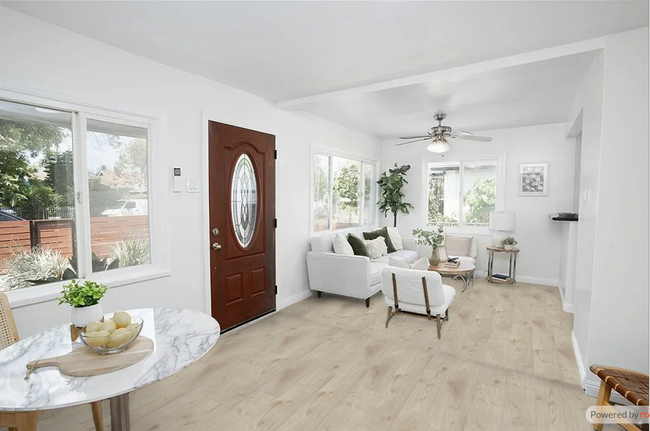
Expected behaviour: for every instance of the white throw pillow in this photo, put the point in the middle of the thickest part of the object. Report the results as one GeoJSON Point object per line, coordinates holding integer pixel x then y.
{"type": "Point", "coordinates": [376, 247]}
{"type": "Point", "coordinates": [395, 238]}
{"type": "Point", "coordinates": [341, 245]}
{"type": "Point", "coordinates": [421, 264]}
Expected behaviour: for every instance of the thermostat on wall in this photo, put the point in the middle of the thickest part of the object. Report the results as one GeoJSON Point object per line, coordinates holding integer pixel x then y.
{"type": "Point", "coordinates": [178, 182]}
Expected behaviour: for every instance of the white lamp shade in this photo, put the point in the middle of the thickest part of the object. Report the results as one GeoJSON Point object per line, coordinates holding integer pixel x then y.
{"type": "Point", "coordinates": [439, 146]}
{"type": "Point", "coordinates": [502, 220]}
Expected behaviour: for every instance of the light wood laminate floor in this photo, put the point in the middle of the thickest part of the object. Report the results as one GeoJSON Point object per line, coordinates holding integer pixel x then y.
{"type": "Point", "coordinates": [505, 362]}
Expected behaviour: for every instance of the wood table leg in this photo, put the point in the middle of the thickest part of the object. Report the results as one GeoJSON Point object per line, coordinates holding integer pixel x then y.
{"type": "Point", "coordinates": [27, 421]}
{"type": "Point", "coordinates": [120, 413]}
{"type": "Point", "coordinates": [98, 416]}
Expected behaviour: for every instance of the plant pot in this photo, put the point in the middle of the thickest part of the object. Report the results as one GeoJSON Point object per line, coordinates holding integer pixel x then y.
{"type": "Point", "coordinates": [434, 260]}
{"type": "Point", "coordinates": [508, 246]}
{"type": "Point", "coordinates": [82, 316]}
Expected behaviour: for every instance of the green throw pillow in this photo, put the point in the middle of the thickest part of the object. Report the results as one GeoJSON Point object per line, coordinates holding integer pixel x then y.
{"type": "Point", "coordinates": [358, 247]}
{"type": "Point", "coordinates": [383, 232]}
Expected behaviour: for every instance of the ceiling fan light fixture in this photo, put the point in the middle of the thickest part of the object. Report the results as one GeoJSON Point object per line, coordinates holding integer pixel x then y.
{"type": "Point", "coordinates": [439, 146]}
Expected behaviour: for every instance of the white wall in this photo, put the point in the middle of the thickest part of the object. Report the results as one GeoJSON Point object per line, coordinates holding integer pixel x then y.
{"type": "Point", "coordinates": [611, 319]}
{"type": "Point", "coordinates": [41, 55]}
{"type": "Point", "coordinates": [539, 238]}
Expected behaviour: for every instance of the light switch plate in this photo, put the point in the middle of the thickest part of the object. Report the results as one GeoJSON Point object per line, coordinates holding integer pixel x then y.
{"type": "Point", "coordinates": [193, 185]}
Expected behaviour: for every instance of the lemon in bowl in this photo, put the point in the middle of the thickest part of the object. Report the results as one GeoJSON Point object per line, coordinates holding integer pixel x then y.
{"type": "Point", "coordinates": [110, 336]}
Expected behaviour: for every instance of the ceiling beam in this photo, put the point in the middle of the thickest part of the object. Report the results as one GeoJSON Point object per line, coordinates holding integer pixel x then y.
{"type": "Point", "coordinates": [454, 72]}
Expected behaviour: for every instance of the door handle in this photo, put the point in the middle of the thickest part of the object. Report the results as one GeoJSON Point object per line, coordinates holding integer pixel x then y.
{"type": "Point", "coordinates": [216, 246]}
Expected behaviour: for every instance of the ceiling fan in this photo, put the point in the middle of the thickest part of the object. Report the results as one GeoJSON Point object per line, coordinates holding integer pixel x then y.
{"type": "Point", "coordinates": [439, 135]}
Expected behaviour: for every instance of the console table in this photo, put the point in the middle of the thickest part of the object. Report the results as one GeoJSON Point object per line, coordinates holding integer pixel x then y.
{"type": "Point", "coordinates": [512, 267]}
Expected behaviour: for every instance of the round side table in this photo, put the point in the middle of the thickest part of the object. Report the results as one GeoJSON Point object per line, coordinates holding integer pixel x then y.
{"type": "Point", "coordinates": [512, 267]}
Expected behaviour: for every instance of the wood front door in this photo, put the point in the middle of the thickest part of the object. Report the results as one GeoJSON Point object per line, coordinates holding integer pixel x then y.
{"type": "Point", "coordinates": [242, 223]}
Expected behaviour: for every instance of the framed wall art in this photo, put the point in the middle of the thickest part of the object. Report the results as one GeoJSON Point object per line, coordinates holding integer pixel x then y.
{"type": "Point", "coordinates": [533, 179]}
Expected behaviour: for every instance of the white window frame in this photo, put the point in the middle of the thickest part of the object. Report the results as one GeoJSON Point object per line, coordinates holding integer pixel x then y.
{"type": "Point", "coordinates": [157, 196]}
{"type": "Point", "coordinates": [328, 152]}
{"type": "Point", "coordinates": [500, 191]}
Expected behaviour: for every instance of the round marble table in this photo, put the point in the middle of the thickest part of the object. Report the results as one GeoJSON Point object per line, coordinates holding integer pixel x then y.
{"type": "Point", "coordinates": [180, 338]}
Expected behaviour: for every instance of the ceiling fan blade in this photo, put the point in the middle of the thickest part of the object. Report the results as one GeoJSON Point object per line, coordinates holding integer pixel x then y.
{"type": "Point", "coordinates": [414, 137]}
{"type": "Point", "coordinates": [473, 138]}
{"type": "Point", "coordinates": [410, 142]}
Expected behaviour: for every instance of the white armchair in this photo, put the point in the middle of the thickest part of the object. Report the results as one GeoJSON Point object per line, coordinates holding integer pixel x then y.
{"type": "Point", "coordinates": [418, 292]}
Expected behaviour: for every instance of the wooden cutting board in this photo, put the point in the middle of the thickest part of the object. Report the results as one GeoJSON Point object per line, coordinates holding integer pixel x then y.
{"type": "Point", "coordinates": [83, 362]}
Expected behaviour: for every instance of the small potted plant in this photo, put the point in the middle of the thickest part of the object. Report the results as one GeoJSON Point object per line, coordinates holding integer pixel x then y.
{"type": "Point", "coordinates": [432, 238]}
{"type": "Point", "coordinates": [509, 243]}
{"type": "Point", "coordinates": [84, 300]}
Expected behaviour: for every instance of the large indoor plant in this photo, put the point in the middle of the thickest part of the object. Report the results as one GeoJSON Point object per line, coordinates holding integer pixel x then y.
{"type": "Point", "coordinates": [84, 300]}
{"type": "Point", "coordinates": [432, 238]}
{"type": "Point", "coordinates": [392, 197]}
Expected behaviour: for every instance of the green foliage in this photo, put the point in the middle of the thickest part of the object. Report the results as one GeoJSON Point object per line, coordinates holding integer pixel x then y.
{"type": "Point", "coordinates": [58, 168]}
{"type": "Point", "coordinates": [131, 251]}
{"type": "Point", "coordinates": [27, 136]}
{"type": "Point", "coordinates": [346, 186]}
{"type": "Point", "coordinates": [82, 295]}
{"type": "Point", "coordinates": [436, 202]}
{"type": "Point", "coordinates": [430, 237]}
{"type": "Point", "coordinates": [36, 266]}
{"type": "Point", "coordinates": [392, 196]}
{"type": "Point", "coordinates": [14, 176]}
{"type": "Point", "coordinates": [481, 200]}
{"type": "Point", "coordinates": [510, 241]}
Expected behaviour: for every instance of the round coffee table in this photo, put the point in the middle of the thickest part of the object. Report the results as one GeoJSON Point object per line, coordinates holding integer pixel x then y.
{"type": "Point", "coordinates": [465, 272]}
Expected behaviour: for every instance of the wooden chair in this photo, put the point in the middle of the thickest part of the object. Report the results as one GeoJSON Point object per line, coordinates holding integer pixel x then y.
{"type": "Point", "coordinates": [17, 421]}
{"type": "Point", "coordinates": [632, 385]}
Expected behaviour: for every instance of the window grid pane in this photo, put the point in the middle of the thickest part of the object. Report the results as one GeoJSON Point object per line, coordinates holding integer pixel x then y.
{"type": "Point", "coordinates": [479, 193]}
{"type": "Point", "coordinates": [443, 198]}
{"type": "Point", "coordinates": [118, 195]}
{"type": "Point", "coordinates": [369, 193]}
{"type": "Point", "coordinates": [345, 193]}
{"type": "Point", "coordinates": [321, 203]}
{"type": "Point", "coordinates": [37, 218]}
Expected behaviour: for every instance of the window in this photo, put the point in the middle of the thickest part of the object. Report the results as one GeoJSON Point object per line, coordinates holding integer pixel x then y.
{"type": "Point", "coordinates": [67, 209]}
{"type": "Point", "coordinates": [345, 193]}
{"type": "Point", "coordinates": [462, 194]}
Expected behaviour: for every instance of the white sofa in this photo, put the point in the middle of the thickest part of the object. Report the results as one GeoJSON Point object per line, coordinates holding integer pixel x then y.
{"type": "Point", "coordinates": [353, 276]}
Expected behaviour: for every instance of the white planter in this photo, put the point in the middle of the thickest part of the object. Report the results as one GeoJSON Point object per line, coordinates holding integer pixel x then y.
{"type": "Point", "coordinates": [508, 246]}
{"type": "Point", "coordinates": [82, 316]}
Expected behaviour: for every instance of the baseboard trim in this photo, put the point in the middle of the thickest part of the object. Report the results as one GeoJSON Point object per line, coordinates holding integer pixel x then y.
{"type": "Point", "coordinates": [536, 280]}
{"type": "Point", "coordinates": [293, 299]}
{"type": "Point", "coordinates": [591, 387]}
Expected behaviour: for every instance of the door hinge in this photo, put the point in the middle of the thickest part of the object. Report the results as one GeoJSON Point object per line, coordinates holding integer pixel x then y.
{"type": "Point", "coordinates": [275, 154]}
{"type": "Point", "coordinates": [275, 223]}
{"type": "Point", "coordinates": [276, 289]}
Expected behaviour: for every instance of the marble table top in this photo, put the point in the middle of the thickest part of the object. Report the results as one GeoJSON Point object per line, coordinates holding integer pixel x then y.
{"type": "Point", "coordinates": [180, 338]}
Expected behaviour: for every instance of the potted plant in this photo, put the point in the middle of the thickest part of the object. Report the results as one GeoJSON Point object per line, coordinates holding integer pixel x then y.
{"type": "Point", "coordinates": [509, 243]}
{"type": "Point", "coordinates": [433, 239]}
{"type": "Point", "coordinates": [84, 300]}
{"type": "Point", "coordinates": [391, 192]}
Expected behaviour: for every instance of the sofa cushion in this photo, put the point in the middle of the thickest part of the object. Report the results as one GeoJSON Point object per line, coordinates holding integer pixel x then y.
{"type": "Point", "coordinates": [422, 264]}
{"type": "Point", "coordinates": [341, 245]}
{"type": "Point", "coordinates": [322, 243]}
{"type": "Point", "coordinates": [395, 238]}
{"type": "Point", "coordinates": [458, 245]}
{"type": "Point", "coordinates": [376, 248]}
{"type": "Point", "coordinates": [407, 256]}
{"type": "Point", "coordinates": [358, 246]}
{"type": "Point", "coordinates": [383, 232]}
{"type": "Point", "coordinates": [375, 272]}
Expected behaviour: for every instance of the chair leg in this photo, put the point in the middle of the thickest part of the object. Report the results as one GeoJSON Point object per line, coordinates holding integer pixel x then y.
{"type": "Point", "coordinates": [367, 302]}
{"type": "Point", "coordinates": [438, 324]}
{"type": "Point", "coordinates": [98, 416]}
{"type": "Point", "coordinates": [27, 421]}
{"type": "Point", "coordinates": [603, 399]}
{"type": "Point", "coordinates": [446, 314]}
{"type": "Point", "coordinates": [319, 292]}
{"type": "Point", "coordinates": [390, 314]}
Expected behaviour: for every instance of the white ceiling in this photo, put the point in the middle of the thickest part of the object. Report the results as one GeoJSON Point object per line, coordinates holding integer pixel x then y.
{"type": "Point", "coordinates": [286, 50]}
{"type": "Point", "coordinates": [535, 93]}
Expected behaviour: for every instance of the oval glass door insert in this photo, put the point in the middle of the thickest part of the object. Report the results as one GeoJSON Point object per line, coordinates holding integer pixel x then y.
{"type": "Point", "coordinates": [243, 199]}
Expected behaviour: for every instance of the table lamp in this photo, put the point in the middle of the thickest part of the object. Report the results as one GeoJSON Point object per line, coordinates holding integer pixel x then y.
{"type": "Point", "coordinates": [502, 223]}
